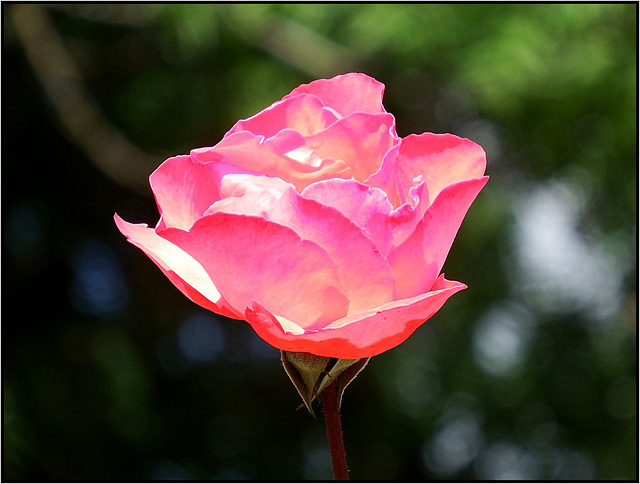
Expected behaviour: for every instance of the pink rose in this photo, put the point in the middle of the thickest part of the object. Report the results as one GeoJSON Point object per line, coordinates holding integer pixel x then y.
{"type": "Point", "coordinates": [315, 222]}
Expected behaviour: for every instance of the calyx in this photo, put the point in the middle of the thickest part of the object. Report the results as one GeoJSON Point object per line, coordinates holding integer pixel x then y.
{"type": "Point", "coordinates": [311, 374]}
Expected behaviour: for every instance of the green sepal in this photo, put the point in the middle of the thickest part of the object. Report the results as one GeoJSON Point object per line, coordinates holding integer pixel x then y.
{"type": "Point", "coordinates": [348, 372]}
{"type": "Point", "coordinates": [311, 374]}
{"type": "Point", "coordinates": [305, 371]}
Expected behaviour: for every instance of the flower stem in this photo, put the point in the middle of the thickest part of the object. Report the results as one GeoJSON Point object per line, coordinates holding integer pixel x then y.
{"type": "Point", "coordinates": [334, 432]}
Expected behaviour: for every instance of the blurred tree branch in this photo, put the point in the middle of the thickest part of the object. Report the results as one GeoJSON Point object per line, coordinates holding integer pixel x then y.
{"type": "Point", "coordinates": [298, 45]}
{"type": "Point", "coordinates": [83, 120]}
{"type": "Point", "coordinates": [124, 14]}
{"type": "Point", "coordinates": [75, 107]}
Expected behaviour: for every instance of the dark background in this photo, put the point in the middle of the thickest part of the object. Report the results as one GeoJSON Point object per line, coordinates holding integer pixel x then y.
{"type": "Point", "coordinates": [109, 373]}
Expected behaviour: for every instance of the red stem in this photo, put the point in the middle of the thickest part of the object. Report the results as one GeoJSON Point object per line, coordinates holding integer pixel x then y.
{"type": "Point", "coordinates": [334, 433]}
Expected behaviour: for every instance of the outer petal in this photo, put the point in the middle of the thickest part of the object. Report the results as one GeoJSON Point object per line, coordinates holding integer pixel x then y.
{"type": "Point", "coordinates": [367, 334]}
{"type": "Point", "coordinates": [183, 190]}
{"type": "Point", "coordinates": [182, 269]}
{"type": "Point", "coordinates": [364, 272]}
{"type": "Point", "coordinates": [441, 160]}
{"type": "Point", "coordinates": [360, 140]}
{"type": "Point", "coordinates": [285, 156]}
{"type": "Point", "coordinates": [347, 93]}
{"type": "Point", "coordinates": [304, 114]}
{"type": "Point", "coordinates": [251, 259]}
{"type": "Point", "coordinates": [417, 262]}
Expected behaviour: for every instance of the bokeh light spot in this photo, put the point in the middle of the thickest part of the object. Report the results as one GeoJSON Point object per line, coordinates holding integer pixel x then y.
{"type": "Point", "coordinates": [98, 286]}
{"type": "Point", "coordinates": [560, 271]}
{"type": "Point", "coordinates": [501, 338]}
{"type": "Point", "coordinates": [455, 446]}
{"type": "Point", "coordinates": [201, 337]}
{"type": "Point", "coordinates": [505, 461]}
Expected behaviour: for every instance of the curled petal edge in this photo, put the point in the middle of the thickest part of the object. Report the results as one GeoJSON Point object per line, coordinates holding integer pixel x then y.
{"type": "Point", "coordinates": [178, 266]}
{"type": "Point", "coordinates": [361, 336]}
{"type": "Point", "coordinates": [250, 258]}
{"type": "Point", "coordinates": [346, 93]}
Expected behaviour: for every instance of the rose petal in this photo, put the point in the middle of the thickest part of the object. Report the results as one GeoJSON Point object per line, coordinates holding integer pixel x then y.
{"type": "Point", "coordinates": [360, 140]}
{"type": "Point", "coordinates": [441, 160]}
{"type": "Point", "coordinates": [251, 259]}
{"type": "Point", "coordinates": [304, 114]}
{"type": "Point", "coordinates": [292, 146]}
{"type": "Point", "coordinates": [347, 93]}
{"type": "Point", "coordinates": [361, 336]}
{"type": "Point", "coordinates": [362, 269]}
{"type": "Point", "coordinates": [417, 262]}
{"type": "Point", "coordinates": [235, 185]}
{"type": "Point", "coordinates": [365, 206]}
{"type": "Point", "coordinates": [369, 208]}
{"type": "Point", "coordinates": [403, 220]}
{"type": "Point", "coordinates": [182, 269]}
{"type": "Point", "coordinates": [385, 177]}
{"type": "Point", "coordinates": [183, 190]}
{"type": "Point", "coordinates": [284, 156]}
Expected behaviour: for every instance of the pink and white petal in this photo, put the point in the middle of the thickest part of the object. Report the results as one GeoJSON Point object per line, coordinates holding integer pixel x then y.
{"type": "Point", "coordinates": [347, 93]}
{"type": "Point", "coordinates": [362, 269]}
{"type": "Point", "coordinates": [183, 189]}
{"type": "Point", "coordinates": [417, 262]}
{"type": "Point", "coordinates": [385, 177]}
{"type": "Point", "coordinates": [292, 146]}
{"type": "Point", "coordinates": [284, 156]}
{"type": "Point", "coordinates": [441, 160]}
{"type": "Point", "coordinates": [252, 259]}
{"type": "Point", "coordinates": [181, 269]}
{"type": "Point", "coordinates": [235, 185]}
{"type": "Point", "coordinates": [360, 140]}
{"type": "Point", "coordinates": [404, 219]}
{"type": "Point", "coordinates": [255, 203]}
{"type": "Point", "coordinates": [367, 207]}
{"type": "Point", "coordinates": [304, 114]}
{"type": "Point", "coordinates": [361, 336]}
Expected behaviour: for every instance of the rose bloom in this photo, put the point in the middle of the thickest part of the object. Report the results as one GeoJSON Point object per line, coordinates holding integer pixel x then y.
{"type": "Point", "coordinates": [314, 222]}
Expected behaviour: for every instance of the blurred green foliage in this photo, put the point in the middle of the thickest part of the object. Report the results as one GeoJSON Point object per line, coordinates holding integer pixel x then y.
{"type": "Point", "coordinates": [109, 373]}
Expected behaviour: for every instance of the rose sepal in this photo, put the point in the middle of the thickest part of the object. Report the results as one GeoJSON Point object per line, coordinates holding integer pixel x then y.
{"type": "Point", "coordinates": [311, 374]}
